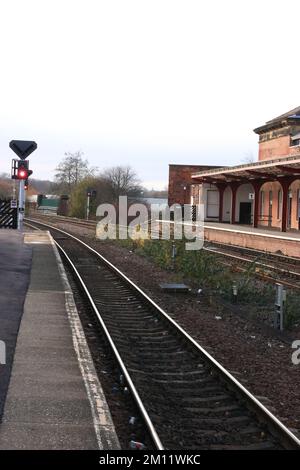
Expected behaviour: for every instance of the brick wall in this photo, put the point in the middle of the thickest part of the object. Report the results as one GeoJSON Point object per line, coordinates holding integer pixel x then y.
{"type": "Point", "coordinates": [276, 143]}
{"type": "Point", "coordinates": [274, 148]}
{"type": "Point", "coordinates": [249, 240]}
{"type": "Point", "coordinates": [180, 182]}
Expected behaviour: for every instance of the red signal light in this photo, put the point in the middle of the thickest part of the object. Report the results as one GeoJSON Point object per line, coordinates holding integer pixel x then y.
{"type": "Point", "coordinates": [22, 174]}
{"type": "Point", "coordinates": [22, 170]}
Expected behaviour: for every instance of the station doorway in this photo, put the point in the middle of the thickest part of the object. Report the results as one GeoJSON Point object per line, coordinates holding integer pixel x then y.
{"type": "Point", "coordinates": [245, 213]}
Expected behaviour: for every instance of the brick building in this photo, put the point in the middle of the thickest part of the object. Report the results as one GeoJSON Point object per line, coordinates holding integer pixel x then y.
{"type": "Point", "coordinates": [263, 193]}
{"type": "Point", "coordinates": [182, 189]}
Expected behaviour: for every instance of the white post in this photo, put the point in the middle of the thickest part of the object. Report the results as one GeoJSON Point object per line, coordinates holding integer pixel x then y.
{"type": "Point", "coordinates": [88, 207]}
{"type": "Point", "coordinates": [14, 190]}
{"type": "Point", "coordinates": [279, 306]}
{"type": "Point", "coordinates": [21, 204]}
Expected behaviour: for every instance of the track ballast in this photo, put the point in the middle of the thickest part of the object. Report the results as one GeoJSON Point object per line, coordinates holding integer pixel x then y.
{"type": "Point", "coordinates": [191, 401]}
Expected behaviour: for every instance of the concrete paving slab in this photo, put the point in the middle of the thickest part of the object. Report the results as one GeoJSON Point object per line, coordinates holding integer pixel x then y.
{"type": "Point", "coordinates": [54, 400]}
{"type": "Point", "coordinates": [47, 387]}
{"type": "Point", "coordinates": [264, 239]}
{"type": "Point", "coordinates": [52, 410]}
{"type": "Point", "coordinates": [47, 436]}
{"type": "Point", "coordinates": [41, 370]}
{"type": "Point", "coordinates": [264, 231]}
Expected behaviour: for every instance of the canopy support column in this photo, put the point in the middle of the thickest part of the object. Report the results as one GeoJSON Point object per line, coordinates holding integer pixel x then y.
{"type": "Point", "coordinates": [234, 187]}
{"type": "Point", "coordinates": [221, 187]}
{"type": "Point", "coordinates": [285, 183]}
{"type": "Point", "coordinates": [256, 186]}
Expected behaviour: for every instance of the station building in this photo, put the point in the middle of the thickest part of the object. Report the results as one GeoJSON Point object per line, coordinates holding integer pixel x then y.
{"type": "Point", "coordinates": [265, 193]}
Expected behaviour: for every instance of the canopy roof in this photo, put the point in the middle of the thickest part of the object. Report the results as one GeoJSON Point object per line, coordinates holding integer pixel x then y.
{"type": "Point", "coordinates": [265, 169]}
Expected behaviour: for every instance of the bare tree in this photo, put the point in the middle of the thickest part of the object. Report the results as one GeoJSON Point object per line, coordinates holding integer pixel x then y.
{"type": "Point", "coordinates": [71, 170]}
{"type": "Point", "coordinates": [5, 188]}
{"type": "Point", "coordinates": [122, 180]}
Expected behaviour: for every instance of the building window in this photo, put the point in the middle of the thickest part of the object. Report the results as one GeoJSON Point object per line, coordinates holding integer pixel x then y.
{"type": "Point", "coordinates": [279, 205]}
{"type": "Point", "coordinates": [295, 143]}
{"type": "Point", "coordinates": [295, 140]}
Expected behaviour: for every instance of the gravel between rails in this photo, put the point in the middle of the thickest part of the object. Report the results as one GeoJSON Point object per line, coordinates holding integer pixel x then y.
{"type": "Point", "coordinates": [258, 360]}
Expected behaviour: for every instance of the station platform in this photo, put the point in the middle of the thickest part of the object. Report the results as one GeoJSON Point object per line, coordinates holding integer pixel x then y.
{"type": "Point", "coordinates": [262, 238]}
{"type": "Point", "coordinates": [49, 390]}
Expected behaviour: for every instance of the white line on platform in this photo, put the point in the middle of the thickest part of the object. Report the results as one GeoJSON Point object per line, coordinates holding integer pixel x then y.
{"type": "Point", "coordinates": [102, 420]}
{"type": "Point", "coordinates": [235, 230]}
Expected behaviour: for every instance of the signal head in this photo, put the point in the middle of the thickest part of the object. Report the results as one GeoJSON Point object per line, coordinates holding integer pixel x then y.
{"type": "Point", "coordinates": [23, 170]}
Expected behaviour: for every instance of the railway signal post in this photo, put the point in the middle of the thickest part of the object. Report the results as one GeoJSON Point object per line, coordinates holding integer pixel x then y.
{"type": "Point", "coordinates": [21, 172]}
{"type": "Point", "coordinates": [90, 193]}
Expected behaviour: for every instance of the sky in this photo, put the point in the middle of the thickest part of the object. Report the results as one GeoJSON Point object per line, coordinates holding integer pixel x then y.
{"type": "Point", "coordinates": [144, 83]}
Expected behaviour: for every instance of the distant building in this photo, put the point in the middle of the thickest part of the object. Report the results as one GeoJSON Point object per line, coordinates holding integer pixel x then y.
{"type": "Point", "coordinates": [51, 204]}
{"type": "Point", "coordinates": [162, 201]}
{"type": "Point", "coordinates": [47, 205]}
{"type": "Point", "coordinates": [182, 188]}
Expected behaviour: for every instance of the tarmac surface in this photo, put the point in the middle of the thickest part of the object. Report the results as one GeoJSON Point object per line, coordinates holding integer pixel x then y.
{"type": "Point", "coordinates": [15, 266]}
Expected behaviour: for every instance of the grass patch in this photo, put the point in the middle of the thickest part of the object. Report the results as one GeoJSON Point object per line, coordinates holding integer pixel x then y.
{"type": "Point", "coordinates": [205, 270]}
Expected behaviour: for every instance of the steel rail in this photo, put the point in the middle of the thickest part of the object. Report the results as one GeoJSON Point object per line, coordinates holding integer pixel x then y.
{"type": "Point", "coordinates": [258, 263]}
{"type": "Point", "coordinates": [221, 253]}
{"type": "Point", "coordinates": [276, 427]}
{"type": "Point", "coordinates": [142, 409]}
{"type": "Point", "coordinates": [92, 224]}
{"type": "Point", "coordinates": [284, 258]}
{"type": "Point", "coordinates": [156, 440]}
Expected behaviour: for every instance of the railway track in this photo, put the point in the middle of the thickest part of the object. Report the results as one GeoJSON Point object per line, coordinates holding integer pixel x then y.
{"type": "Point", "coordinates": [70, 220]}
{"type": "Point", "coordinates": [268, 266]}
{"type": "Point", "coordinates": [271, 267]}
{"type": "Point", "coordinates": [186, 398]}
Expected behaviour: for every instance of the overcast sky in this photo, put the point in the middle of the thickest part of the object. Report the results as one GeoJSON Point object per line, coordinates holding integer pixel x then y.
{"type": "Point", "coordinates": [145, 83]}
